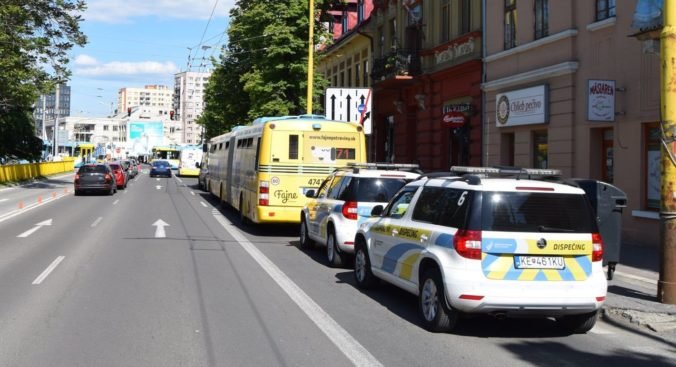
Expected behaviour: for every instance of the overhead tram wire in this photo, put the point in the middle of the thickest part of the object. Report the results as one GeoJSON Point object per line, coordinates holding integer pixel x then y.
{"type": "Point", "coordinates": [213, 10]}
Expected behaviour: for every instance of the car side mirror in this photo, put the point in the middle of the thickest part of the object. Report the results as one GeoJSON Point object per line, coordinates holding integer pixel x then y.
{"type": "Point", "coordinates": [310, 194]}
{"type": "Point", "coordinates": [377, 211]}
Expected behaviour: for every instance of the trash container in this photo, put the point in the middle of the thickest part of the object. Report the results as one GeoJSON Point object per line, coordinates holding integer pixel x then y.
{"type": "Point", "coordinates": [607, 201]}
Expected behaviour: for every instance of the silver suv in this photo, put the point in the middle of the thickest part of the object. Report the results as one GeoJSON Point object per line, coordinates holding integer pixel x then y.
{"type": "Point", "coordinates": [344, 200]}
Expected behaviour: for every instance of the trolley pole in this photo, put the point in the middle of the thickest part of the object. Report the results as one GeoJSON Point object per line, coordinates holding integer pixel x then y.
{"type": "Point", "coordinates": [310, 57]}
{"type": "Point", "coordinates": [666, 287]}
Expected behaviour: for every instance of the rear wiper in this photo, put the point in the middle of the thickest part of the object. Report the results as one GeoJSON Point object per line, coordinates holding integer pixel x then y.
{"type": "Point", "coordinates": [553, 229]}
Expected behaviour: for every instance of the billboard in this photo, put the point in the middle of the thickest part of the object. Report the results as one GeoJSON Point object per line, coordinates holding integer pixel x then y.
{"type": "Point", "coordinates": [143, 135]}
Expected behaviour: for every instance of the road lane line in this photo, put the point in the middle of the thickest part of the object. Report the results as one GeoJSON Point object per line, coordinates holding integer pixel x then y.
{"type": "Point", "coordinates": [203, 204]}
{"type": "Point", "coordinates": [116, 201]}
{"type": "Point", "coordinates": [1, 200]}
{"type": "Point", "coordinates": [28, 232]}
{"type": "Point", "coordinates": [97, 221]}
{"type": "Point", "coordinates": [350, 347]}
{"type": "Point", "coordinates": [14, 213]}
{"type": "Point", "coordinates": [192, 193]}
{"type": "Point", "coordinates": [49, 269]}
{"type": "Point", "coordinates": [179, 180]}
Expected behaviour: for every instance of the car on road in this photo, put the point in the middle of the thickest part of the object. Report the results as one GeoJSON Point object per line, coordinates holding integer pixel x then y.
{"type": "Point", "coordinates": [94, 177]}
{"type": "Point", "coordinates": [501, 242]}
{"type": "Point", "coordinates": [344, 199]}
{"type": "Point", "coordinates": [160, 168]}
{"type": "Point", "coordinates": [120, 174]}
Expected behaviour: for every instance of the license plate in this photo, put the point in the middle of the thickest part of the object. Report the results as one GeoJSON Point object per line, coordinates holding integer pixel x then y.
{"type": "Point", "coordinates": [539, 262]}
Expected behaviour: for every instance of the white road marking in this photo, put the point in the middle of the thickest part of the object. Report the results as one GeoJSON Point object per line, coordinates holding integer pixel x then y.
{"type": "Point", "coordinates": [49, 269]}
{"type": "Point", "coordinates": [125, 191]}
{"type": "Point", "coordinates": [203, 204]}
{"type": "Point", "coordinates": [350, 347]}
{"type": "Point", "coordinates": [159, 230]}
{"type": "Point", "coordinates": [157, 179]}
{"type": "Point", "coordinates": [1, 200]}
{"type": "Point", "coordinates": [29, 232]}
{"type": "Point", "coordinates": [14, 213]}
{"type": "Point", "coordinates": [116, 201]}
{"type": "Point", "coordinates": [97, 221]}
{"type": "Point", "coordinates": [192, 193]}
{"type": "Point", "coordinates": [158, 187]}
{"type": "Point", "coordinates": [177, 178]}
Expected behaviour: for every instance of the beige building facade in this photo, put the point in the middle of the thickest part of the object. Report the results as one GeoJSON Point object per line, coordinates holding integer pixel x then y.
{"type": "Point", "coordinates": [565, 87]}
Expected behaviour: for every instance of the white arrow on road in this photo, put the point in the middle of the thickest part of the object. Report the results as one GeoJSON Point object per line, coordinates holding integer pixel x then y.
{"type": "Point", "coordinates": [29, 232]}
{"type": "Point", "coordinates": [159, 231]}
{"type": "Point", "coordinates": [158, 187]}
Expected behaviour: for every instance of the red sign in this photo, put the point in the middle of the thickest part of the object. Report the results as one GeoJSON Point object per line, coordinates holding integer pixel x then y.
{"type": "Point", "coordinates": [453, 119]}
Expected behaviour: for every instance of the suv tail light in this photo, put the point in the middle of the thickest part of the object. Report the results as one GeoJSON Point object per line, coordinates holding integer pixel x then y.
{"type": "Point", "coordinates": [468, 243]}
{"type": "Point", "coordinates": [597, 247]}
{"type": "Point", "coordinates": [108, 177]}
{"type": "Point", "coordinates": [350, 210]}
{"type": "Point", "coordinates": [264, 193]}
{"type": "Point", "coordinates": [77, 177]}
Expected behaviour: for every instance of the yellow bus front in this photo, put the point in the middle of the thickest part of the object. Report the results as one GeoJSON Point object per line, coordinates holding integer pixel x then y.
{"type": "Point", "coordinates": [295, 157]}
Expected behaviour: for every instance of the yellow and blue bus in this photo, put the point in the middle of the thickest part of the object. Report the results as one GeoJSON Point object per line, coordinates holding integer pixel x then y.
{"type": "Point", "coordinates": [166, 153]}
{"type": "Point", "coordinates": [189, 160]}
{"type": "Point", "coordinates": [84, 153]}
{"type": "Point", "coordinates": [264, 169]}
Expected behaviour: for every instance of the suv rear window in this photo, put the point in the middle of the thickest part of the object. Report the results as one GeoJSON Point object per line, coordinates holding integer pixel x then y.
{"type": "Point", "coordinates": [372, 189]}
{"type": "Point", "coordinates": [536, 212]}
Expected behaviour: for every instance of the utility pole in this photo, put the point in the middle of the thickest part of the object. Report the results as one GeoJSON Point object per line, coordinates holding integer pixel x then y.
{"type": "Point", "coordinates": [56, 121]}
{"type": "Point", "coordinates": [666, 287]}
{"type": "Point", "coordinates": [310, 57]}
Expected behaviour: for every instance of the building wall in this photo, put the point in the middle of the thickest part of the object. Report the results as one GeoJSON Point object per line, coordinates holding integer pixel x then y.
{"type": "Point", "coordinates": [156, 96]}
{"type": "Point", "coordinates": [579, 48]}
{"type": "Point", "coordinates": [188, 103]}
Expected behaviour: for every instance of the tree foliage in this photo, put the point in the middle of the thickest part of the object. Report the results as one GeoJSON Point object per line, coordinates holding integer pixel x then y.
{"type": "Point", "coordinates": [35, 37]}
{"type": "Point", "coordinates": [263, 68]}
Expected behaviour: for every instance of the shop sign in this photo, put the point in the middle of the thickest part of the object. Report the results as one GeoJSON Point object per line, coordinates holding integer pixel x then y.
{"type": "Point", "coordinates": [453, 119]}
{"type": "Point", "coordinates": [455, 51]}
{"type": "Point", "coordinates": [601, 100]}
{"type": "Point", "coordinates": [522, 107]}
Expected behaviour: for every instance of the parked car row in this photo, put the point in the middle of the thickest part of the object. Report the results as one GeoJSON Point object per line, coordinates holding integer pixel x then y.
{"type": "Point", "coordinates": [106, 177]}
{"type": "Point", "coordinates": [476, 240]}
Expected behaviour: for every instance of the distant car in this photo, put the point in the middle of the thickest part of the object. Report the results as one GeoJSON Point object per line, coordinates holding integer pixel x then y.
{"type": "Point", "coordinates": [344, 200]}
{"type": "Point", "coordinates": [120, 175]}
{"type": "Point", "coordinates": [95, 177]}
{"type": "Point", "coordinates": [160, 168]}
{"type": "Point", "coordinates": [132, 169]}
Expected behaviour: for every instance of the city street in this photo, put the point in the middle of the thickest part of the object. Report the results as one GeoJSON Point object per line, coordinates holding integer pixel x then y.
{"type": "Point", "coordinates": [158, 275]}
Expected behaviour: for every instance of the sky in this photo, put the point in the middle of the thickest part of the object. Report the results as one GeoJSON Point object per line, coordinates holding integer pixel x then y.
{"type": "Point", "coordinates": [133, 43]}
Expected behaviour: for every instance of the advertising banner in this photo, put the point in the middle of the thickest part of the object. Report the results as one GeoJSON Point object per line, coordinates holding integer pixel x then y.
{"type": "Point", "coordinates": [522, 107]}
{"type": "Point", "coordinates": [601, 100]}
{"type": "Point", "coordinates": [143, 135]}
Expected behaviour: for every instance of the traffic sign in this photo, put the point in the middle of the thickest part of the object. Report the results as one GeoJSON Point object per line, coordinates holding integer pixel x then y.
{"type": "Point", "coordinates": [350, 104]}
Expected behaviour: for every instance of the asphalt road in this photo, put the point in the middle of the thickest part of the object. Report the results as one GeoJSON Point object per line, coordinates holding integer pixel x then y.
{"type": "Point", "coordinates": [101, 281]}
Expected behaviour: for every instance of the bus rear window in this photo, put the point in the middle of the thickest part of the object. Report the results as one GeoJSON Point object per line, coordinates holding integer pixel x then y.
{"type": "Point", "coordinates": [293, 146]}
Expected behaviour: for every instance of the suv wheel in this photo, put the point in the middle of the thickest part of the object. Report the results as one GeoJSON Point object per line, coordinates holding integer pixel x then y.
{"type": "Point", "coordinates": [362, 266]}
{"type": "Point", "coordinates": [305, 241]}
{"type": "Point", "coordinates": [578, 324]}
{"type": "Point", "coordinates": [436, 316]}
{"type": "Point", "coordinates": [335, 258]}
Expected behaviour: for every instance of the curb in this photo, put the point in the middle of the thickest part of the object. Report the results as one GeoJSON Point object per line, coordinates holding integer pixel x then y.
{"type": "Point", "coordinates": [642, 320]}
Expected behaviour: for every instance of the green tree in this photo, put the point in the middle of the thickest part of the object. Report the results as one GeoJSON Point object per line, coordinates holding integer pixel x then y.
{"type": "Point", "coordinates": [263, 69]}
{"type": "Point", "coordinates": [35, 37]}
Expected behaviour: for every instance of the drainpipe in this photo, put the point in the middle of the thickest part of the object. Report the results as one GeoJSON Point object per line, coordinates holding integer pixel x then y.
{"type": "Point", "coordinates": [370, 138]}
{"type": "Point", "coordinates": [484, 120]}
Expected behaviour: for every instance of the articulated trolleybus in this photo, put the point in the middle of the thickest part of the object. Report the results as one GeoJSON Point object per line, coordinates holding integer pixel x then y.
{"type": "Point", "coordinates": [264, 169]}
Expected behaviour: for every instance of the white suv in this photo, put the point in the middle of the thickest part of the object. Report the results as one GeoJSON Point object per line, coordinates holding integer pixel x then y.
{"type": "Point", "coordinates": [477, 242]}
{"type": "Point", "coordinates": [345, 199]}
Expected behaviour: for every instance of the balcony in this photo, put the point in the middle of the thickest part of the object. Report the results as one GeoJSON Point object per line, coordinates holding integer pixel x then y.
{"type": "Point", "coordinates": [399, 65]}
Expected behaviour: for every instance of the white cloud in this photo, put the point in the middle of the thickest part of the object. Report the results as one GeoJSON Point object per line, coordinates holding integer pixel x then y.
{"type": "Point", "coordinates": [85, 60]}
{"type": "Point", "coordinates": [121, 11]}
{"type": "Point", "coordinates": [127, 68]}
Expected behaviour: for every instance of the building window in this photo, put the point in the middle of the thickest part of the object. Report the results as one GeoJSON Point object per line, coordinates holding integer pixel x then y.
{"type": "Point", "coordinates": [540, 149]}
{"type": "Point", "coordinates": [393, 35]}
{"type": "Point", "coordinates": [510, 24]}
{"type": "Point", "coordinates": [357, 74]}
{"type": "Point", "coordinates": [445, 23]}
{"type": "Point", "coordinates": [541, 18]}
{"type": "Point", "coordinates": [105, 127]}
{"type": "Point", "coordinates": [414, 14]}
{"type": "Point", "coordinates": [344, 22]}
{"type": "Point", "coordinates": [381, 41]}
{"type": "Point", "coordinates": [652, 169]}
{"type": "Point", "coordinates": [465, 16]}
{"type": "Point", "coordinates": [366, 73]}
{"type": "Point", "coordinates": [605, 9]}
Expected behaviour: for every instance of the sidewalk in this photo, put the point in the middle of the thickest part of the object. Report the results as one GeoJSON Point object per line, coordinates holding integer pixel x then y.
{"type": "Point", "coordinates": [632, 294]}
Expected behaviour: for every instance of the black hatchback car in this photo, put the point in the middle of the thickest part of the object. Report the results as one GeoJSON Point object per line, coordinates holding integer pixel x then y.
{"type": "Point", "coordinates": [95, 177]}
{"type": "Point", "coordinates": [160, 168]}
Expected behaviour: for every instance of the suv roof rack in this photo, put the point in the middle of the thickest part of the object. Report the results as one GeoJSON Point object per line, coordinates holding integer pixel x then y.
{"type": "Point", "coordinates": [452, 176]}
{"type": "Point", "coordinates": [509, 171]}
{"type": "Point", "coordinates": [384, 166]}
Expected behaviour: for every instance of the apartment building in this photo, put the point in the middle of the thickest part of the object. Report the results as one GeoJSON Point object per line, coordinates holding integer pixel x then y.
{"type": "Point", "coordinates": [156, 96]}
{"type": "Point", "coordinates": [567, 88]}
{"type": "Point", "coordinates": [188, 103]}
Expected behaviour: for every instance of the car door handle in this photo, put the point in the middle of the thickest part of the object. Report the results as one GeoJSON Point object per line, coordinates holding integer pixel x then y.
{"type": "Point", "coordinates": [423, 238]}
{"type": "Point", "coordinates": [395, 232]}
